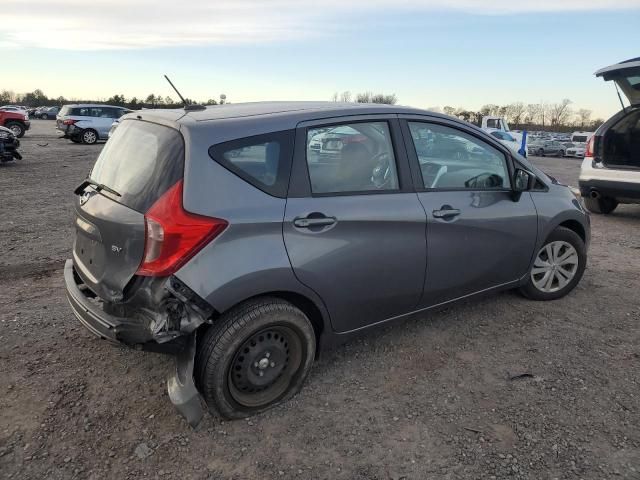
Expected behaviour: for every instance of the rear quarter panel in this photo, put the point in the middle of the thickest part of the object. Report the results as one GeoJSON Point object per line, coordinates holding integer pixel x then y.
{"type": "Point", "coordinates": [249, 258]}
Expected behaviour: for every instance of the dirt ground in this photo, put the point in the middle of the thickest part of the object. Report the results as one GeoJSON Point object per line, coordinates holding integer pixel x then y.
{"type": "Point", "coordinates": [497, 388]}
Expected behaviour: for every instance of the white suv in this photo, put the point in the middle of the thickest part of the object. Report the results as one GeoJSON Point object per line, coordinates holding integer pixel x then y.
{"type": "Point", "coordinates": [610, 172]}
{"type": "Point", "coordinates": [87, 123]}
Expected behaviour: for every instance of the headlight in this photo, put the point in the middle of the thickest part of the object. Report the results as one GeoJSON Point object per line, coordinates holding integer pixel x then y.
{"type": "Point", "coordinates": [5, 135]}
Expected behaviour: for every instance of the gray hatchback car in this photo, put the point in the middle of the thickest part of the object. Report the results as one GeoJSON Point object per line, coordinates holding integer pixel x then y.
{"type": "Point", "coordinates": [219, 235]}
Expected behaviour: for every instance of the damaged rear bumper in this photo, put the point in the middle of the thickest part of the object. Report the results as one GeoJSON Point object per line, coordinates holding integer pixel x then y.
{"type": "Point", "coordinates": [144, 334]}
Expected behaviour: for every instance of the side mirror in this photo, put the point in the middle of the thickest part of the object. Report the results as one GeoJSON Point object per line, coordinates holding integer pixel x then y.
{"type": "Point", "coordinates": [523, 180]}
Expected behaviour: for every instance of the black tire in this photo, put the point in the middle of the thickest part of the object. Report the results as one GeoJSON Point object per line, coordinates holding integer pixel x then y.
{"type": "Point", "coordinates": [17, 128]}
{"type": "Point", "coordinates": [602, 205]}
{"type": "Point", "coordinates": [89, 136]}
{"type": "Point", "coordinates": [231, 353]}
{"type": "Point", "coordinates": [541, 152]}
{"type": "Point", "coordinates": [44, 116]}
{"type": "Point", "coordinates": [560, 234]}
{"type": "Point", "coordinates": [561, 153]}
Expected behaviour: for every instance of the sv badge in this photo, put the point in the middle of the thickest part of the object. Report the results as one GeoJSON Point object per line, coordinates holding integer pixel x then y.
{"type": "Point", "coordinates": [116, 249]}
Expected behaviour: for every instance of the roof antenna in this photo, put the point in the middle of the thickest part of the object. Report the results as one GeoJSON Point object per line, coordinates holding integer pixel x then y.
{"type": "Point", "coordinates": [184, 102]}
{"type": "Point", "coordinates": [624, 109]}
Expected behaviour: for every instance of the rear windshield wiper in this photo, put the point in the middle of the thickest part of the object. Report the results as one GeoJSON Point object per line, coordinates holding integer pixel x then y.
{"type": "Point", "coordinates": [98, 186]}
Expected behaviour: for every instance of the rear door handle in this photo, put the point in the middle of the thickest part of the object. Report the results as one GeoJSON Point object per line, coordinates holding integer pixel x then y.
{"type": "Point", "coordinates": [446, 213]}
{"type": "Point", "coordinates": [314, 222]}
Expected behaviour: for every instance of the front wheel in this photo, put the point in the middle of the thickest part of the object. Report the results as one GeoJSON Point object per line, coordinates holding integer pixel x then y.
{"type": "Point", "coordinates": [256, 356]}
{"type": "Point", "coordinates": [541, 152]}
{"type": "Point", "coordinates": [558, 266]}
{"type": "Point", "coordinates": [17, 128]}
{"type": "Point", "coordinates": [602, 205]}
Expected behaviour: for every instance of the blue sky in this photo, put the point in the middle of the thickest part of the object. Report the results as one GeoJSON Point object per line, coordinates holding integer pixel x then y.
{"type": "Point", "coordinates": [429, 53]}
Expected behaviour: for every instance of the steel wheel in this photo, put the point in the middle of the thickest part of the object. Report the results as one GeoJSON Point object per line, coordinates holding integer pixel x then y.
{"type": "Point", "coordinates": [555, 266]}
{"type": "Point", "coordinates": [263, 366]}
{"type": "Point", "coordinates": [89, 136]}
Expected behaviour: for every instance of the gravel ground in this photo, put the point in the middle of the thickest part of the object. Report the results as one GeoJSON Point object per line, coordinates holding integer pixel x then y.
{"type": "Point", "coordinates": [498, 388]}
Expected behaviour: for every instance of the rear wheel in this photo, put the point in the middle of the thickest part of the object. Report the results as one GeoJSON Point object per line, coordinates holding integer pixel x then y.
{"type": "Point", "coordinates": [602, 205]}
{"type": "Point", "coordinates": [540, 152]}
{"type": "Point", "coordinates": [256, 356]}
{"type": "Point", "coordinates": [17, 128]}
{"type": "Point", "coordinates": [89, 136]}
{"type": "Point", "coordinates": [561, 153]}
{"type": "Point", "coordinates": [558, 267]}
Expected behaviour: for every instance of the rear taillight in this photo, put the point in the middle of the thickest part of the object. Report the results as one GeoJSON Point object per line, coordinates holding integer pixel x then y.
{"type": "Point", "coordinates": [173, 235]}
{"type": "Point", "coordinates": [69, 122]}
{"type": "Point", "coordinates": [588, 152]}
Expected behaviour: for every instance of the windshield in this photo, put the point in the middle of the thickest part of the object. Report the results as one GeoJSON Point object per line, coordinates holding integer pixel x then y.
{"type": "Point", "coordinates": [140, 161]}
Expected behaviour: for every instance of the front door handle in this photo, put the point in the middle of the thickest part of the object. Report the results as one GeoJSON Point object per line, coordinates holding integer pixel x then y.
{"type": "Point", "coordinates": [314, 222]}
{"type": "Point", "coordinates": [446, 212]}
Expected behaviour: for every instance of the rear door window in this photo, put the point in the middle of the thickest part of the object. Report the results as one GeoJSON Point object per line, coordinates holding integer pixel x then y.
{"type": "Point", "coordinates": [264, 161]}
{"type": "Point", "coordinates": [140, 161]}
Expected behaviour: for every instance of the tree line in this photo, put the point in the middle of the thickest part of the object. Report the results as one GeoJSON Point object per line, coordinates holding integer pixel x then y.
{"type": "Point", "coordinates": [37, 98]}
{"type": "Point", "coordinates": [560, 116]}
{"type": "Point", "coordinates": [557, 117]}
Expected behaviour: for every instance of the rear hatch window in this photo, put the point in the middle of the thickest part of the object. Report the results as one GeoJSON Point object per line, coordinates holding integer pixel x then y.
{"type": "Point", "coordinates": [140, 161]}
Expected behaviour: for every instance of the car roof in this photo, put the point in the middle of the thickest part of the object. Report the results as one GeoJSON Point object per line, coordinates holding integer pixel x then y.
{"type": "Point", "coordinates": [309, 109]}
{"type": "Point", "coordinates": [279, 112]}
{"type": "Point", "coordinates": [92, 105]}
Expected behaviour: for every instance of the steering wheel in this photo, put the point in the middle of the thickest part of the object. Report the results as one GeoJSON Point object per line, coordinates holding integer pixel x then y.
{"type": "Point", "coordinates": [381, 175]}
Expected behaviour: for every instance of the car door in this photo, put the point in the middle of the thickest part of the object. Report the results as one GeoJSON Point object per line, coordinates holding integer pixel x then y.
{"type": "Point", "coordinates": [480, 234]}
{"type": "Point", "coordinates": [102, 120]}
{"type": "Point", "coordinates": [354, 228]}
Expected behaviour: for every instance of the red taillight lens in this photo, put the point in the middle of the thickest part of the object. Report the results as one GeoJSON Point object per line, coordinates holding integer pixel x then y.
{"type": "Point", "coordinates": [173, 235]}
{"type": "Point", "coordinates": [589, 150]}
{"type": "Point", "coordinates": [69, 122]}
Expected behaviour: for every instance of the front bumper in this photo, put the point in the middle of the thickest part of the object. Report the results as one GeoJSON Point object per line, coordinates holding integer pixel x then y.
{"type": "Point", "coordinates": [130, 331]}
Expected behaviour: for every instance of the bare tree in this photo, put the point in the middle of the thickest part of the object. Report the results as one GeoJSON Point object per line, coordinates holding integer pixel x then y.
{"type": "Point", "coordinates": [532, 113]}
{"type": "Point", "coordinates": [345, 96]}
{"type": "Point", "coordinates": [515, 112]}
{"type": "Point", "coordinates": [334, 97]}
{"type": "Point", "coordinates": [559, 112]}
{"type": "Point", "coordinates": [449, 110]}
{"type": "Point", "coordinates": [490, 109]}
{"type": "Point", "coordinates": [584, 116]}
{"type": "Point", "coordinates": [364, 97]}
{"type": "Point", "coordinates": [382, 98]}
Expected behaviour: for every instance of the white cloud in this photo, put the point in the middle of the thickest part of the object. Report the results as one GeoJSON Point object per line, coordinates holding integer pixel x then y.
{"type": "Point", "coordinates": [122, 24]}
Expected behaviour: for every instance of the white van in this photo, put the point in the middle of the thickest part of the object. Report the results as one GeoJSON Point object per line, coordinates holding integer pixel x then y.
{"type": "Point", "coordinates": [581, 137]}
